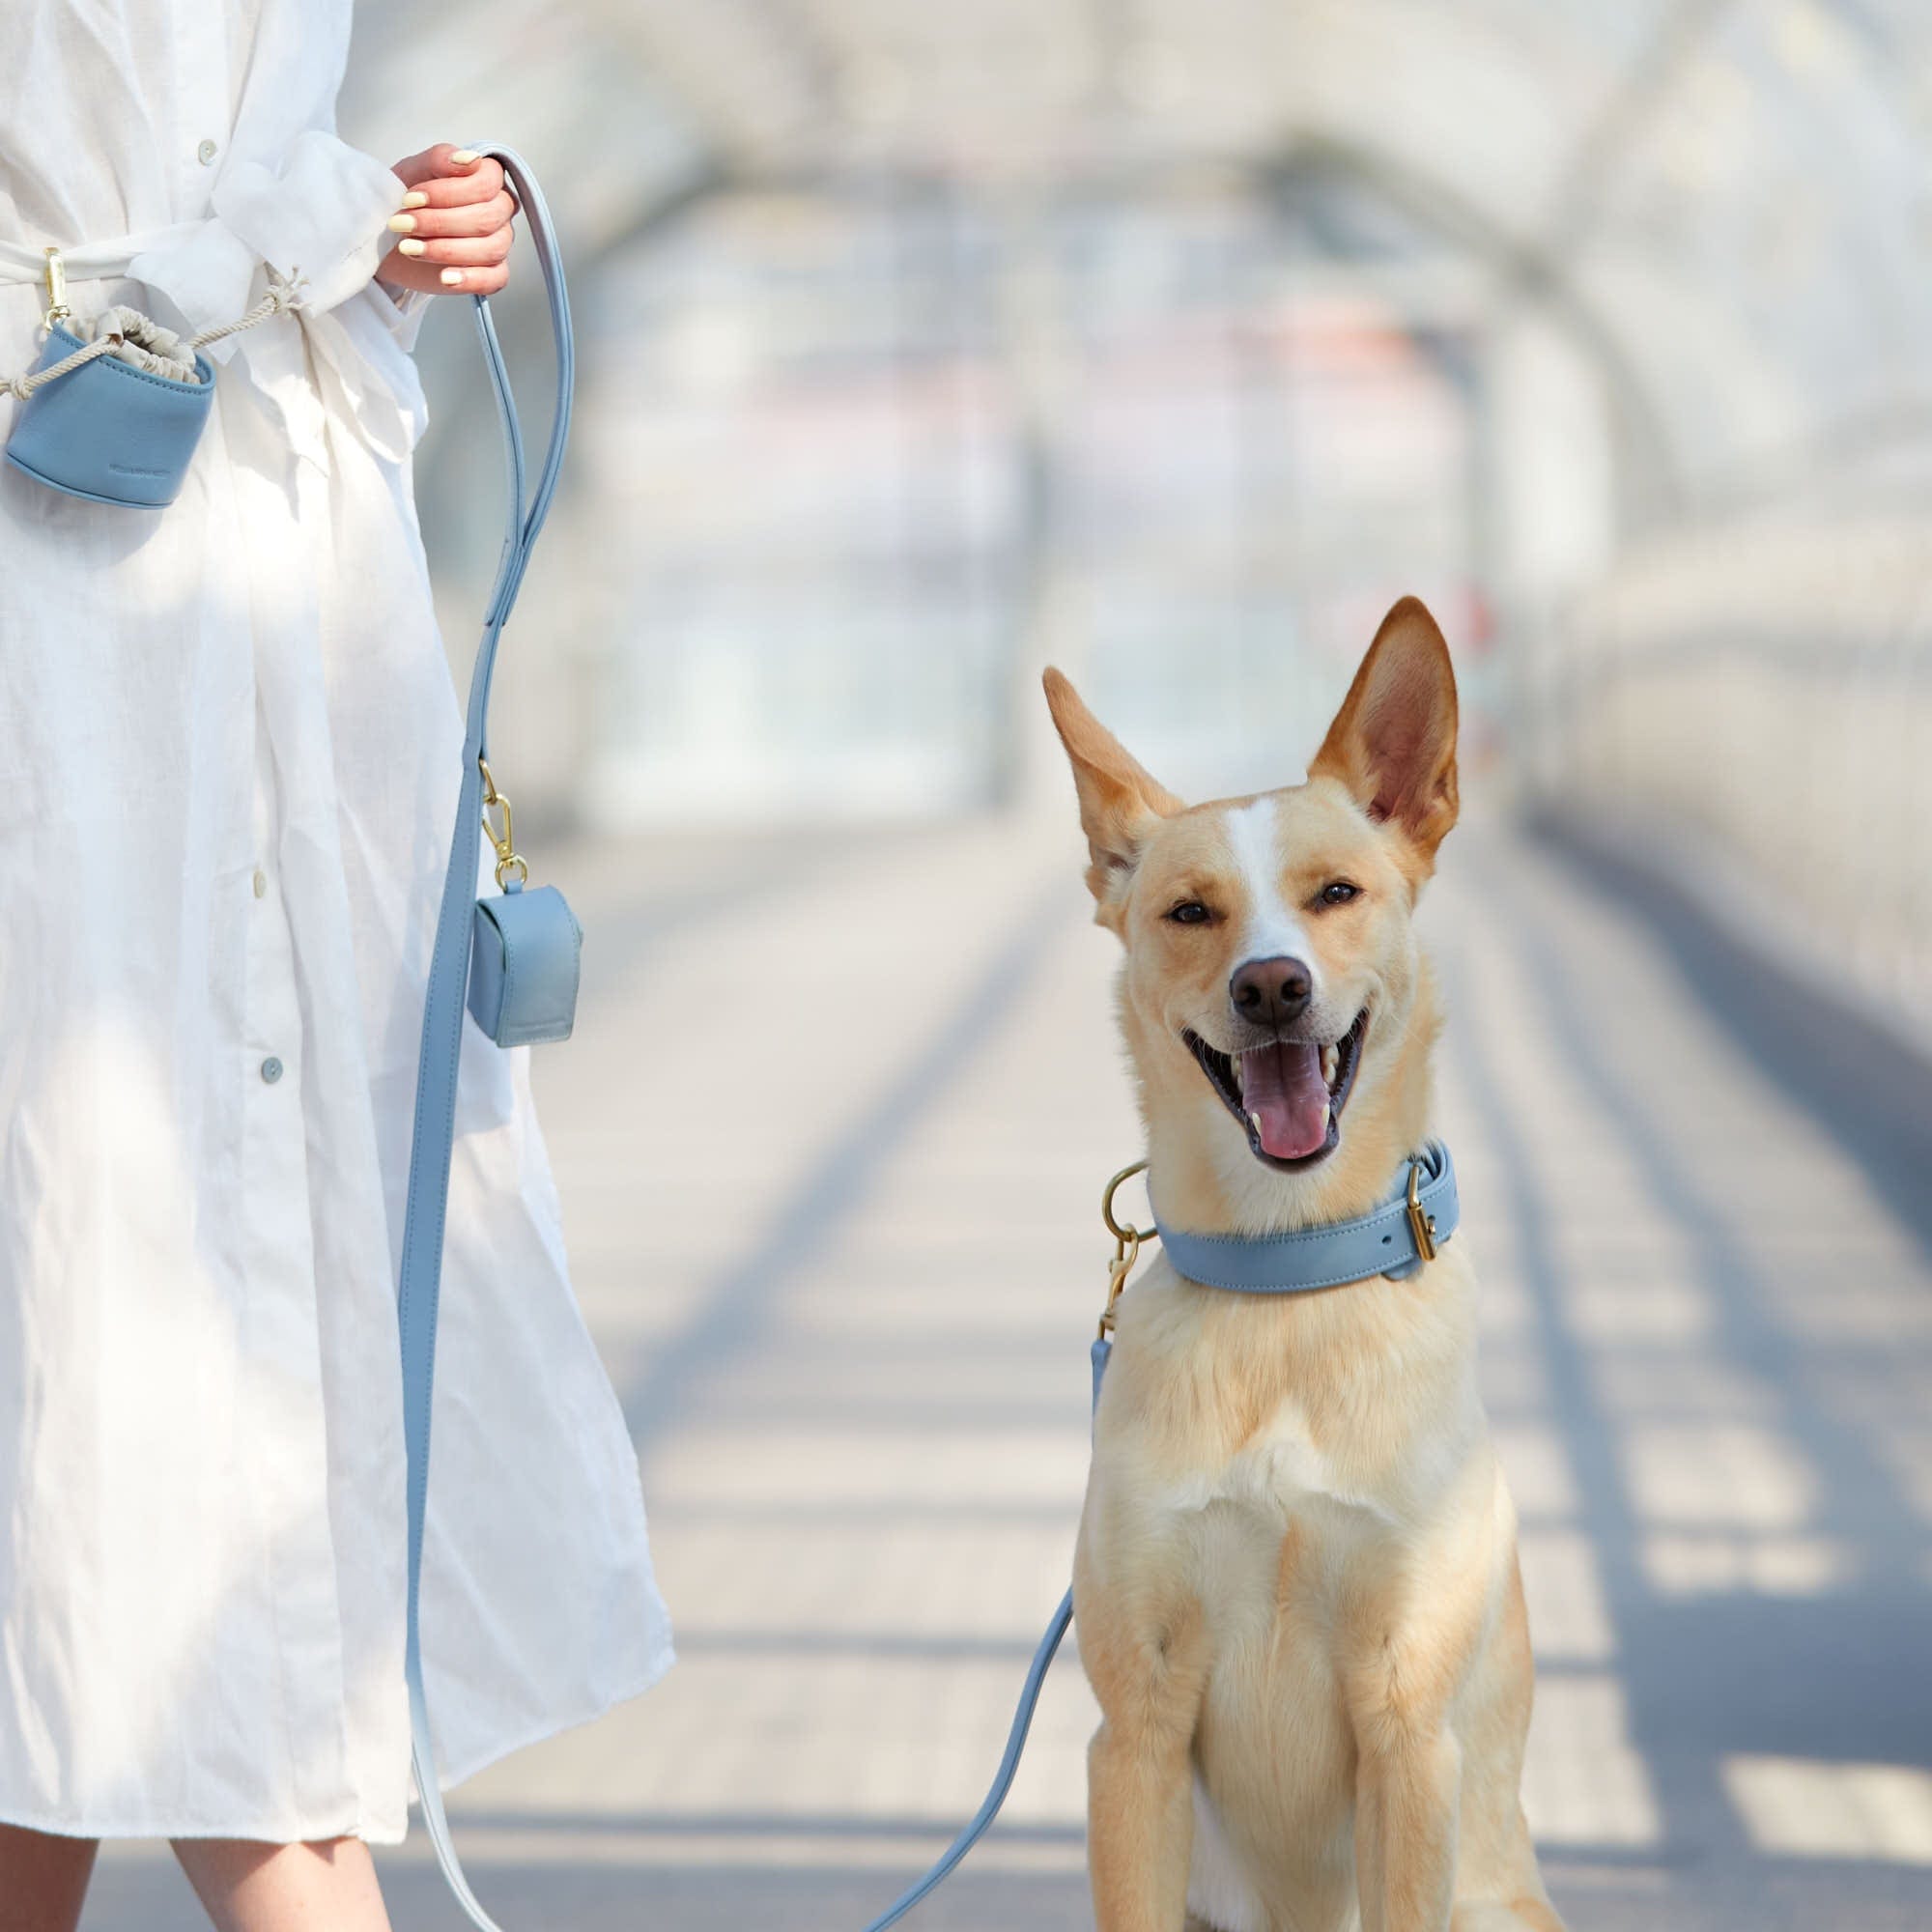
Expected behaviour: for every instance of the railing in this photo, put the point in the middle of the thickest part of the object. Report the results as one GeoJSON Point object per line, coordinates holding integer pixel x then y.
{"type": "Point", "coordinates": [1753, 702]}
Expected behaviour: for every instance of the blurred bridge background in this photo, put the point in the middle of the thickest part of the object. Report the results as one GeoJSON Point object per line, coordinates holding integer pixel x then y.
{"type": "Point", "coordinates": [1170, 340]}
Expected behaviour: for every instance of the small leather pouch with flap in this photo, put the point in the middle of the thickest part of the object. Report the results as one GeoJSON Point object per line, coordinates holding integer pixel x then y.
{"type": "Point", "coordinates": [524, 949]}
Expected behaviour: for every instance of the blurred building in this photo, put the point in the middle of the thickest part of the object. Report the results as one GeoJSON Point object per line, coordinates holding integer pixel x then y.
{"type": "Point", "coordinates": [1170, 340]}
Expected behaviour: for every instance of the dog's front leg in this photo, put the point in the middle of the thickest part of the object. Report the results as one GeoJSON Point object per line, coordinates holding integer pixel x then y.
{"type": "Point", "coordinates": [1149, 1678]}
{"type": "Point", "coordinates": [1408, 1780]}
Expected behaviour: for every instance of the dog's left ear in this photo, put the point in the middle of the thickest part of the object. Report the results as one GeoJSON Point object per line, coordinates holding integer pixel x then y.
{"type": "Point", "coordinates": [1393, 742]}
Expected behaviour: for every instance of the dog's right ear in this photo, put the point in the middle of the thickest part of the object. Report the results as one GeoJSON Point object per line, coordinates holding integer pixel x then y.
{"type": "Point", "coordinates": [1119, 802]}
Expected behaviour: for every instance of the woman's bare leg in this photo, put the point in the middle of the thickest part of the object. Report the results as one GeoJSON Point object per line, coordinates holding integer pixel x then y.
{"type": "Point", "coordinates": [42, 1880]}
{"type": "Point", "coordinates": [247, 1886]}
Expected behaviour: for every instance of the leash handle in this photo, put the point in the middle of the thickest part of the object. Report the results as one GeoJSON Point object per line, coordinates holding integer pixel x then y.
{"type": "Point", "coordinates": [419, 1286]}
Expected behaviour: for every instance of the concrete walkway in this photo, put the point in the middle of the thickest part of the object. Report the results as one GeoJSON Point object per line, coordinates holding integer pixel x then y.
{"type": "Point", "coordinates": [829, 1140]}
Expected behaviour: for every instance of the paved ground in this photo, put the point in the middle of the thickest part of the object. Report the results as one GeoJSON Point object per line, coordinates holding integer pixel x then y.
{"type": "Point", "coordinates": [829, 1140]}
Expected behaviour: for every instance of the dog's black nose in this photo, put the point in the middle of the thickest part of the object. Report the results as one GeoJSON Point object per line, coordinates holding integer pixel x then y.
{"type": "Point", "coordinates": [1270, 992]}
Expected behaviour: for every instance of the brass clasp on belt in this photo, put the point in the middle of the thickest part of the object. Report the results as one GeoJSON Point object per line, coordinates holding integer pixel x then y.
{"type": "Point", "coordinates": [57, 308]}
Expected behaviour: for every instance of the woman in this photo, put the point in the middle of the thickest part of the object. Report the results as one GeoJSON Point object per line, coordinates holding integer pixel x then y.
{"type": "Point", "coordinates": [228, 755]}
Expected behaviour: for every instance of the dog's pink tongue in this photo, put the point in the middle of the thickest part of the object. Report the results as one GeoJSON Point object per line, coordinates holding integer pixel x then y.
{"type": "Point", "coordinates": [1283, 1091]}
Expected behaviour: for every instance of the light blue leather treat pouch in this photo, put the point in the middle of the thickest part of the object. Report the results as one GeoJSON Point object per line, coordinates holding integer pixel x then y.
{"type": "Point", "coordinates": [107, 430]}
{"type": "Point", "coordinates": [524, 954]}
{"type": "Point", "coordinates": [113, 408]}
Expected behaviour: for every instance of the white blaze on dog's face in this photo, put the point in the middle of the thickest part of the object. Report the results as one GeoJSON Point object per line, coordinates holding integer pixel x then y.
{"type": "Point", "coordinates": [1269, 958]}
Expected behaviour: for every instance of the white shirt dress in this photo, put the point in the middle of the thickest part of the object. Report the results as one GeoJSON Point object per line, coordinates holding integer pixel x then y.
{"type": "Point", "coordinates": [229, 752]}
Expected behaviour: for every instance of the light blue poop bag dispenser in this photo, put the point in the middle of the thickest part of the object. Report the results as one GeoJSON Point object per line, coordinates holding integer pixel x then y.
{"type": "Point", "coordinates": [114, 415]}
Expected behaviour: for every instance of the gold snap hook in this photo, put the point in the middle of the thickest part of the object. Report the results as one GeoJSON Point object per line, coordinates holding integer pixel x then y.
{"type": "Point", "coordinates": [1118, 1271]}
{"type": "Point", "coordinates": [1114, 1228]}
{"type": "Point", "coordinates": [1127, 1244]}
{"type": "Point", "coordinates": [503, 840]}
{"type": "Point", "coordinates": [1420, 1225]}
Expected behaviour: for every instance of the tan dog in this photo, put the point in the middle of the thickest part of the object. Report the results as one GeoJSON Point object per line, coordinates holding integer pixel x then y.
{"type": "Point", "coordinates": [1297, 1583]}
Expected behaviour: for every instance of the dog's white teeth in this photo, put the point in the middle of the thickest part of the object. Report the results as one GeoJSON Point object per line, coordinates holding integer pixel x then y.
{"type": "Point", "coordinates": [1327, 1113]}
{"type": "Point", "coordinates": [1255, 1122]}
{"type": "Point", "coordinates": [1331, 1062]}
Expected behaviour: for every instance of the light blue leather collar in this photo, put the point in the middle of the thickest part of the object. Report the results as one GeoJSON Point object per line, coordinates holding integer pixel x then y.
{"type": "Point", "coordinates": [1393, 1240]}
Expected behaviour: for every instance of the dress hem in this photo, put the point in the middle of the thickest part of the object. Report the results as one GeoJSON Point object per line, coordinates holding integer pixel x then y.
{"type": "Point", "coordinates": [370, 1831]}
{"type": "Point", "coordinates": [652, 1674]}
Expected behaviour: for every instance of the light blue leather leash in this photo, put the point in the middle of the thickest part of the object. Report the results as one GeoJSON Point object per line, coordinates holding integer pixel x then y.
{"type": "Point", "coordinates": [448, 976]}
{"type": "Point", "coordinates": [436, 1086]}
{"type": "Point", "coordinates": [1394, 1240]}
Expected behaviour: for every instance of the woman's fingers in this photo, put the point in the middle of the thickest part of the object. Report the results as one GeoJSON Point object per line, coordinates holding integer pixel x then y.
{"type": "Point", "coordinates": [464, 251]}
{"type": "Point", "coordinates": [436, 168]}
{"type": "Point", "coordinates": [473, 281]}
{"type": "Point", "coordinates": [470, 220]}
{"type": "Point", "coordinates": [480, 181]}
{"type": "Point", "coordinates": [454, 224]}
{"type": "Point", "coordinates": [400, 273]}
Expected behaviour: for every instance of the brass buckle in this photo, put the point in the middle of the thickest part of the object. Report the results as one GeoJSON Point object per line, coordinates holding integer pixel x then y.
{"type": "Point", "coordinates": [56, 272]}
{"type": "Point", "coordinates": [1127, 1244]}
{"type": "Point", "coordinates": [506, 852]}
{"type": "Point", "coordinates": [1420, 1225]}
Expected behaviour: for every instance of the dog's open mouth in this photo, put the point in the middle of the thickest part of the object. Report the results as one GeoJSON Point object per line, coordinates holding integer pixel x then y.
{"type": "Point", "coordinates": [1287, 1094]}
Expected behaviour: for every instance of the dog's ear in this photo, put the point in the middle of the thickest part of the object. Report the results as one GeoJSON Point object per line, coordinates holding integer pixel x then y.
{"type": "Point", "coordinates": [1119, 802]}
{"type": "Point", "coordinates": [1393, 742]}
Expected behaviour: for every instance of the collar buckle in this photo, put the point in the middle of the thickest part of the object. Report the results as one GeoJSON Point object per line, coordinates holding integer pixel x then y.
{"type": "Point", "coordinates": [1421, 1226]}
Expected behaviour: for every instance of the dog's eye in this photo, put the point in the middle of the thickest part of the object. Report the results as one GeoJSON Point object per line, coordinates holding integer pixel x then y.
{"type": "Point", "coordinates": [1339, 892]}
{"type": "Point", "coordinates": [1190, 912]}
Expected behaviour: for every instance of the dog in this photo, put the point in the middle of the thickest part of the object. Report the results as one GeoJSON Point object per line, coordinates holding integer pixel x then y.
{"type": "Point", "coordinates": [1295, 1583]}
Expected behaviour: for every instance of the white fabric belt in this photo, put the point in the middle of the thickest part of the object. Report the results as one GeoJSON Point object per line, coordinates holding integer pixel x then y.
{"type": "Point", "coordinates": [96, 262]}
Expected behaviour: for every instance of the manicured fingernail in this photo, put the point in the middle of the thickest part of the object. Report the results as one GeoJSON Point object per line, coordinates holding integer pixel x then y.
{"type": "Point", "coordinates": [412, 248]}
{"type": "Point", "coordinates": [402, 224]}
{"type": "Point", "coordinates": [415, 198]}
{"type": "Point", "coordinates": [452, 278]}
{"type": "Point", "coordinates": [463, 156]}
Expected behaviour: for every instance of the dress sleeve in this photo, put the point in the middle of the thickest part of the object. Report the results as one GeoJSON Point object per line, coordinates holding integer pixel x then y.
{"type": "Point", "coordinates": [323, 214]}
{"type": "Point", "coordinates": [402, 311]}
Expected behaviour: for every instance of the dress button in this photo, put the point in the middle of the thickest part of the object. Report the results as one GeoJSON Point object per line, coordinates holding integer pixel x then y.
{"type": "Point", "coordinates": [205, 153]}
{"type": "Point", "coordinates": [272, 1069]}
{"type": "Point", "coordinates": [260, 883]}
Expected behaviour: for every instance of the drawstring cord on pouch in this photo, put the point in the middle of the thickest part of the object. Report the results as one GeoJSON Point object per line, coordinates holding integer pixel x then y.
{"type": "Point", "coordinates": [140, 340]}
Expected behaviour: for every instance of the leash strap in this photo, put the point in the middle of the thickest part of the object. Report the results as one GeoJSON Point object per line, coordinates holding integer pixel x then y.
{"type": "Point", "coordinates": [1394, 1240]}
{"type": "Point", "coordinates": [980, 1822]}
{"type": "Point", "coordinates": [435, 1126]}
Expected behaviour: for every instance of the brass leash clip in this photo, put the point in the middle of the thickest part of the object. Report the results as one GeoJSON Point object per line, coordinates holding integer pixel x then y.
{"type": "Point", "coordinates": [1128, 1241]}
{"type": "Point", "coordinates": [1420, 1225]}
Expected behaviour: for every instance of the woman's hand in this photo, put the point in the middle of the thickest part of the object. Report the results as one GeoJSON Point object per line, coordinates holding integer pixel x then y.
{"type": "Point", "coordinates": [455, 225]}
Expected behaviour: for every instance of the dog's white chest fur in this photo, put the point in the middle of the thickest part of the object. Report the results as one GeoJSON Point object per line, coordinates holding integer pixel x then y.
{"type": "Point", "coordinates": [1279, 1472]}
{"type": "Point", "coordinates": [1277, 1522]}
{"type": "Point", "coordinates": [1219, 1892]}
